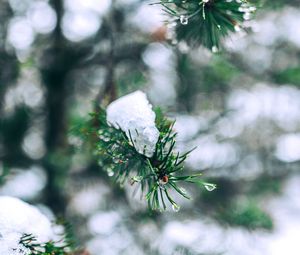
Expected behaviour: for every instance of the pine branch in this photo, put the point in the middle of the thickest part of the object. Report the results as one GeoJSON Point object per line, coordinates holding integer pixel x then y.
{"type": "Point", "coordinates": [206, 22]}
{"type": "Point", "coordinates": [64, 246]}
{"type": "Point", "coordinates": [48, 248]}
{"type": "Point", "coordinates": [157, 176]}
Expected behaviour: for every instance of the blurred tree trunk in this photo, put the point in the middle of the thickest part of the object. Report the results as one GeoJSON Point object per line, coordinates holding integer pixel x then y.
{"type": "Point", "coordinates": [54, 70]}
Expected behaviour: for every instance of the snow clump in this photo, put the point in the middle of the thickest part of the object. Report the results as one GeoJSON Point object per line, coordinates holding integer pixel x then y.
{"type": "Point", "coordinates": [134, 115]}
{"type": "Point", "coordinates": [18, 218]}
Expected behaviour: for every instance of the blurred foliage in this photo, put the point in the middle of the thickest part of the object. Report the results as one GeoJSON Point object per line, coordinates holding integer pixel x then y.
{"type": "Point", "coordinates": [4, 171]}
{"type": "Point", "coordinates": [275, 4]}
{"type": "Point", "coordinates": [266, 185]}
{"type": "Point", "coordinates": [213, 77]}
{"type": "Point", "coordinates": [131, 81]}
{"type": "Point", "coordinates": [288, 76]}
{"type": "Point", "coordinates": [217, 75]}
{"type": "Point", "coordinates": [245, 214]}
{"type": "Point", "coordinates": [226, 208]}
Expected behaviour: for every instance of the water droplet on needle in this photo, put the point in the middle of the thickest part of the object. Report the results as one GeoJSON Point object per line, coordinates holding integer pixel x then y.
{"type": "Point", "coordinates": [210, 186]}
{"type": "Point", "coordinates": [184, 20]}
{"type": "Point", "coordinates": [214, 49]}
{"type": "Point", "coordinates": [110, 172]}
{"type": "Point", "coordinates": [175, 207]}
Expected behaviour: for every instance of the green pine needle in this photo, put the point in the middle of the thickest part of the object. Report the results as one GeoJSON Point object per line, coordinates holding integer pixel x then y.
{"type": "Point", "coordinates": [65, 246]}
{"type": "Point", "coordinates": [48, 248]}
{"type": "Point", "coordinates": [206, 22]}
{"type": "Point", "coordinates": [156, 176]}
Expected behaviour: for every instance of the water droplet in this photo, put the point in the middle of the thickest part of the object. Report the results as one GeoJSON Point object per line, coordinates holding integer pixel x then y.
{"type": "Point", "coordinates": [237, 28]}
{"type": "Point", "coordinates": [210, 186]}
{"type": "Point", "coordinates": [219, 27]}
{"type": "Point", "coordinates": [106, 139]}
{"type": "Point", "coordinates": [110, 172]}
{"type": "Point", "coordinates": [214, 49]}
{"type": "Point", "coordinates": [184, 20]}
{"type": "Point", "coordinates": [175, 207]}
{"type": "Point", "coordinates": [247, 16]}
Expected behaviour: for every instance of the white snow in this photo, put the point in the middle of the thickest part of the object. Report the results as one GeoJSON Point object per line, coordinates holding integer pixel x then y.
{"type": "Point", "coordinates": [134, 115]}
{"type": "Point", "coordinates": [18, 218]}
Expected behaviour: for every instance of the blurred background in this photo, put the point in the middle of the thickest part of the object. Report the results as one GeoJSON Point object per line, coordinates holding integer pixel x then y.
{"type": "Point", "coordinates": [240, 107]}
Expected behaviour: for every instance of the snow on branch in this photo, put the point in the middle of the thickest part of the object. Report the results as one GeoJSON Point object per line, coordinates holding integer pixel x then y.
{"type": "Point", "coordinates": [135, 144]}
{"type": "Point", "coordinates": [24, 230]}
{"type": "Point", "coordinates": [133, 114]}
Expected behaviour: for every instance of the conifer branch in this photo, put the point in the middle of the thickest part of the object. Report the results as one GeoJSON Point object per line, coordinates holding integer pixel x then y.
{"type": "Point", "coordinates": [206, 22]}
{"type": "Point", "coordinates": [157, 176]}
{"type": "Point", "coordinates": [64, 246]}
{"type": "Point", "coordinates": [48, 248]}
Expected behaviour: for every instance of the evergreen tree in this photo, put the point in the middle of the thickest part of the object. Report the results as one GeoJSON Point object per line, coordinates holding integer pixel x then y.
{"type": "Point", "coordinates": [121, 140]}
